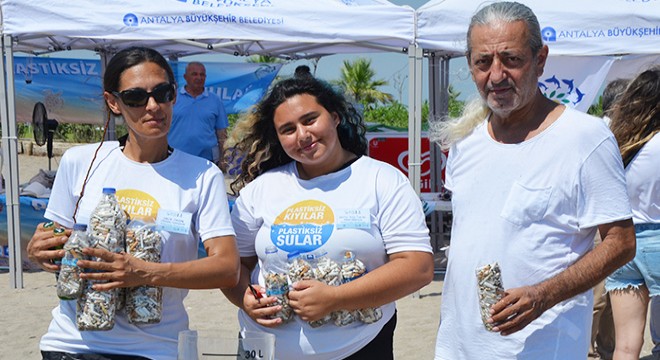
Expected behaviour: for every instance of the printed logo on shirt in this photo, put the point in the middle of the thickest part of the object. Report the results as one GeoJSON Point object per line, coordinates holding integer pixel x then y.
{"type": "Point", "coordinates": [138, 204]}
{"type": "Point", "coordinates": [303, 227]}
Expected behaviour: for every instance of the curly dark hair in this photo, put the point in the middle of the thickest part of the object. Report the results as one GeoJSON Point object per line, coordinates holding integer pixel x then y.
{"type": "Point", "coordinates": [253, 143]}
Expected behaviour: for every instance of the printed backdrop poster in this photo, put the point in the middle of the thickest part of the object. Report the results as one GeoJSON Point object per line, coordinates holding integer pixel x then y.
{"type": "Point", "coordinates": [69, 88]}
{"type": "Point", "coordinates": [574, 81]}
{"type": "Point", "coordinates": [72, 92]}
{"type": "Point", "coordinates": [239, 85]}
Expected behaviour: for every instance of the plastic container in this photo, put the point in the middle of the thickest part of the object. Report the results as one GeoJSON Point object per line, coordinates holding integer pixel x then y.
{"type": "Point", "coordinates": [144, 304]}
{"type": "Point", "coordinates": [69, 283]}
{"type": "Point", "coordinates": [326, 271]}
{"type": "Point", "coordinates": [107, 225]}
{"type": "Point", "coordinates": [277, 284]}
{"type": "Point", "coordinates": [211, 345]}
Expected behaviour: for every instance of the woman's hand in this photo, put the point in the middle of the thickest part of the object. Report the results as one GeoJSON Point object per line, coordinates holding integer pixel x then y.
{"type": "Point", "coordinates": [312, 300]}
{"type": "Point", "coordinates": [258, 308]}
{"type": "Point", "coordinates": [44, 247]}
{"type": "Point", "coordinates": [116, 269]}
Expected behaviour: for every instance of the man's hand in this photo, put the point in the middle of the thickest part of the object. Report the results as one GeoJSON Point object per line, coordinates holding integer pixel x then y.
{"type": "Point", "coordinates": [519, 307]}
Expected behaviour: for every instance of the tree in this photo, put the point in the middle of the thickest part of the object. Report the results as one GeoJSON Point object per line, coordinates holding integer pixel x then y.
{"type": "Point", "coordinates": [596, 109]}
{"type": "Point", "coordinates": [357, 80]}
{"type": "Point", "coordinates": [264, 59]}
{"type": "Point", "coordinates": [455, 105]}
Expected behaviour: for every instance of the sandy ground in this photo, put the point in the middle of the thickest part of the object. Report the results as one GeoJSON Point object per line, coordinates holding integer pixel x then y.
{"type": "Point", "coordinates": [26, 312]}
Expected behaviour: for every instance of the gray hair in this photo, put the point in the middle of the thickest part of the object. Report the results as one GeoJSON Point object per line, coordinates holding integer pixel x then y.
{"type": "Point", "coordinates": [194, 63]}
{"type": "Point", "coordinates": [449, 131]}
{"type": "Point", "coordinates": [508, 12]}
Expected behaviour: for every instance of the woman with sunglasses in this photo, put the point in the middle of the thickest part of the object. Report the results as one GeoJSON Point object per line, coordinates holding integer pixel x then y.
{"type": "Point", "coordinates": [153, 183]}
{"type": "Point", "coordinates": [307, 187]}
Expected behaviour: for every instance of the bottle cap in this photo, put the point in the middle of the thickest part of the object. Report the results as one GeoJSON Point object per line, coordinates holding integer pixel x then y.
{"type": "Point", "coordinates": [81, 227]}
{"type": "Point", "coordinates": [109, 190]}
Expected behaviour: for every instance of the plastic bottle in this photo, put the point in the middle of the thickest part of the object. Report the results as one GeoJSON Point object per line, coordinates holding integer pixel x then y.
{"type": "Point", "coordinates": [326, 271]}
{"type": "Point", "coordinates": [350, 270]}
{"type": "Point", "coordinates": [107, 225]}
{"type": "Point", "coordinates": [69, 283]}
{"type": "Point", "coordinates": [275, 276]}
{"type": "Point", "coordinates": [144, 304]}
{"type": "Point", "coordinates": [353, 268]}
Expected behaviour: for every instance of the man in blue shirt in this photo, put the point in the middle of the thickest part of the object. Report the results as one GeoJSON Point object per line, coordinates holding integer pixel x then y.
{"type": "Point", "coordinates": [199, 123]}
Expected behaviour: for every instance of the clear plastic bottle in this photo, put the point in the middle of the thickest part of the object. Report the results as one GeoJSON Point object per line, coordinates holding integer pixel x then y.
{"type": "Point", "coordinates": [275, 277]}
{"type": "Point", "coordinates": [326, 271]}
{"type": "Point", "coordinates": [107, 226]}
{"type": "Point", "coordinates": [69, 283]}
{"type": "Point", "coordinates": [106, 217]}
{"type": "Point", "coordinates": [351, 269]}
{"type": "Point", "coordinates": [144, 304]}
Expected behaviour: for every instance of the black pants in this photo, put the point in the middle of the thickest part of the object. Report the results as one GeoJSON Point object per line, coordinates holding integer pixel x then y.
{"type": "Point", "coordinates": [56, 355]}
{"type": "Point", "coordinates": [381, 347]}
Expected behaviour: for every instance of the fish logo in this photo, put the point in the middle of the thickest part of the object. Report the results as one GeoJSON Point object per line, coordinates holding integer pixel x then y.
{"type": "Point", "coordinates": [568, 94]}
{"type": "Point", "coordinates": [303, 227]}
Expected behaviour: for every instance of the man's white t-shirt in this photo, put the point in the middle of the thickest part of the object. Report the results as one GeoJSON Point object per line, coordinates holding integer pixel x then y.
{"type": "Point", "coordinates": [183, 184]}
{"type": "Point", "coordinates": [534, 208]}
{"type": "Point", "coordinates": [368, 208]}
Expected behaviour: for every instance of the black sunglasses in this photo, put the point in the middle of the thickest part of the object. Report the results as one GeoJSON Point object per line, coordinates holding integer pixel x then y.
{"type": "Point", "coordinates": [139, 97]}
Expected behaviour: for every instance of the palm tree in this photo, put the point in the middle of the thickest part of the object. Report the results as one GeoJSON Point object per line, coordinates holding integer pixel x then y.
{"type": "Point", "coordinates": [357, 80]}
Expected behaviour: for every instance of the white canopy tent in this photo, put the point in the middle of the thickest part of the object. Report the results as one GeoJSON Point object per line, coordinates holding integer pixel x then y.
{"type": "Point", "coordinates": [625, 33]}
{"type": "Point", "coordinates": [282, 28]}
{"type": "Point", "coordinates": [574, 28]}
{"type": "Point", "coordinates": [591, 42]}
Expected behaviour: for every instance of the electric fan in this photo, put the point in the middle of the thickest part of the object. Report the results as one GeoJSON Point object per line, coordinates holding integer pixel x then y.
{"type": "Point", "coordinates": [43, 129]}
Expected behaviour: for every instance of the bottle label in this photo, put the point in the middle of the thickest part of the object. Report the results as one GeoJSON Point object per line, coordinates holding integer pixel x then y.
{"type": "Point", "coordinates": [69, 262]}
{"type": "Point", "coordinates": [276, 291]}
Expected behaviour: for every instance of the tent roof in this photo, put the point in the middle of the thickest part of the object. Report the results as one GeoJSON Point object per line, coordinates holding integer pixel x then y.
{"type": "Point", "coordinates": [282, 28]}
{"type": "Point", "coordinates": [569, 27]}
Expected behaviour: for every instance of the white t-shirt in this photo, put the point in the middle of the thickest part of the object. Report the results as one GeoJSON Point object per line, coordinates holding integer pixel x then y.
{"type": "Point", "coordinates": [368, 208]}
{"type": "Point", "coordinates": [533, 207]}
{"type": "Point", "coordinates": [643, 180]}
{"type": "Point", "coordinates": [181, 183]}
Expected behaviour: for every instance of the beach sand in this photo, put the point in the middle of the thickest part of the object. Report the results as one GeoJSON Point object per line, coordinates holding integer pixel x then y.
{"type": "Point", "coordinates": [26, 312]}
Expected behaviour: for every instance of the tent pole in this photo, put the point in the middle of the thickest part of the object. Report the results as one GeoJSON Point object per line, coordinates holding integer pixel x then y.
{"type": "Point", "coordinates": [415, 57]}
{"type": "Point", "coordinates": [438, 110]}
{"type": "Point", "coordinates": [111, 133]}
{"type": "Point", "coordinates": [435, 218]}
{"type": "Point", "coordinates": [10, 146]}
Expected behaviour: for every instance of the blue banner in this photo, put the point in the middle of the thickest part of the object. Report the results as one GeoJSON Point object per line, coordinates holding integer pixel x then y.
{"type": "Point", "coordinates": [72, 93]}
{"type": "Point", "coordinates": [239, 85]}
